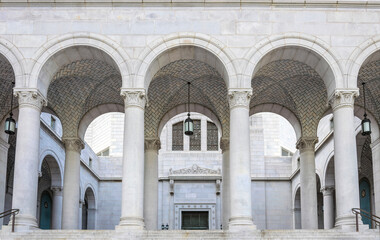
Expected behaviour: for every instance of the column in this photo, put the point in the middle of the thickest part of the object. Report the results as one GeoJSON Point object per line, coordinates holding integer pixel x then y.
{"type": "Point", "coordinates": [57, 207]}
{"type": "Point", "coordinates": [132, 214]}
{"type": "Point", "coordinates": [225, 146]}
{"type": "Point", "coordinates": [375, 147]}
{"type": "Point", "coordinates": [151, 183]}
{"type": "Point", "coordinates": [80, 215]}
{"type": "Point", "coordinates": [240, 162]}
{"type": "Point", "coordinates": [345, 158]}
{"type": "Point", "coordinates": [26, 159]}
{"type": "Point", "coordinates": [71, 183]}
{"type": "Point", "coordinates": [328, 207]}
{"type": "Point", "coordinates": [309, 211]}
{"type": "Point", "coordinates": [4, 146]}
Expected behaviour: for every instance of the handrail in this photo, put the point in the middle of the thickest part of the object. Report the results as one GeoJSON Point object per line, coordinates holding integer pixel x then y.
{"type": "Point", "coordinates": [365, 214]}
{"type": "Point", "coordinates": [12, 212]}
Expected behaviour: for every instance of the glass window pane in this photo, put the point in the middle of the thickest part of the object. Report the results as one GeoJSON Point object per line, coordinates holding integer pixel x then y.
{"type": "Point", "coordinates": [212, 137]}
{"type": "Point", "coordinates": [177, 137]}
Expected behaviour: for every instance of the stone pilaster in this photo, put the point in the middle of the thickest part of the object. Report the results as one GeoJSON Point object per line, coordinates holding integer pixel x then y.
{"type": "Point", "coordinates": [345, 157]}
{"type": "Point", "coordinates": [240, 161]}
{"type": "Point", "coordinates": [328, 206]}
{"type": "Point", "coordinates": [57, 207]}
{"type": "Point", "coordinates": [225, 146]}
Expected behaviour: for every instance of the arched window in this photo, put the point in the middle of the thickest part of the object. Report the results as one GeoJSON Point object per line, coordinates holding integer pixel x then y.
{"type": "Point", "coordinates": [212, 137]}
{"type": "Point", "coordinates": [177, 137]}
{"type": "Point", "coordinates": [195, 139]}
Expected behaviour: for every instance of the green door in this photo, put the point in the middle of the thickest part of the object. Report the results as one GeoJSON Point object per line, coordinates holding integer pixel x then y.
{"type": "Point", "coordinates": [194, 220]}
{"type": "Point", "coordinates": [45, 211]}
{"type": "Point", "coordinates": [365, 200]}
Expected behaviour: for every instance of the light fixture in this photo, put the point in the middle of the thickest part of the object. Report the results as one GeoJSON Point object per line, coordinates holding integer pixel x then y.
{"type": "Point", "coordinates": [189, 125]}
{"type": "Point", "coordinates": [366, 123]}
{"type": "Point", "coordinates": [10, 123]}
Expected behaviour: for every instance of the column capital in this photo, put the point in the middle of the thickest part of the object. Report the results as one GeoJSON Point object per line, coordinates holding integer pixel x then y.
{"type": "Point", "coordinates": [343, 98]}
{"type": "Point", "coordinates": [73, 144]}
{"type": "Point", "coordinates": [327, 190]}
{"type": "Point", "coordinates": [134, 97]}
{"type": "Point", "coordinates": [152, 144]}
{"type": "Point", "coordinates": [306, 143]}
{"type": "Point", "coordinates": [239, 97]}
{"type": "Point", "coordinates": [30, 98]}
{"type": "Point", "coordinates": [224, 144]}
{"type": "Point", "coordinates": [57, 190]}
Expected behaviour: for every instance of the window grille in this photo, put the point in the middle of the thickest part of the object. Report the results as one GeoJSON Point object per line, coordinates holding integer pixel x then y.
{"type": "Point", "coordinates": [195, 139]}
{"type": "Point", "coordinates": [212, 137]}
{"type": "Point", "coordinates": [177, 137]}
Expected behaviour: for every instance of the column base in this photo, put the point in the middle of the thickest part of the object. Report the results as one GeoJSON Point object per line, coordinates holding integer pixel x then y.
{"type": "Point", "coordinates": [24, 223]}
{"type": "Point", "coordinates": [130, 223]}
{"type": "Point", "coordinates": [241, 223]}
{"type": "Point", "coordinates": [348, 223]}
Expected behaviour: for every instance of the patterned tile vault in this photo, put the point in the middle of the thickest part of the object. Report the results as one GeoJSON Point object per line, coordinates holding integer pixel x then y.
{"type": "Point", "coordinates": [168, 89]}
{"type": "Point", "coordinates": [80, 86]}
{"type": "Point", "coordinates": [6, 78]}
{"type": "Point", "coordinates": [294, 85]}
{"type": "Point", "coordinates": [370, 74]}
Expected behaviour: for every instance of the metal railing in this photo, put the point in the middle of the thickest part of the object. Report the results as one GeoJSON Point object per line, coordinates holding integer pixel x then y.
{"type": "Point", "coordinates": [365, 214]}
{"type": "Point", "coordinates": [12, 212]}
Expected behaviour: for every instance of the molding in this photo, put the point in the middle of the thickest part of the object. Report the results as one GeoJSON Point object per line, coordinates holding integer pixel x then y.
{"type": "Point", "coordinates": [343, 98]}
{"type": "Point", "coordinates": [239, 97]}
{"type": "Point", "coordinates": [306, 143]}
{"type": "Point", "coordinates": [194, 170]}
{"type": "Point", "coordinates": [73, 144]}
{"type": "Point", "coordinates": [134, 97]}
{"type": "Point", "coordinates": [30, 98]}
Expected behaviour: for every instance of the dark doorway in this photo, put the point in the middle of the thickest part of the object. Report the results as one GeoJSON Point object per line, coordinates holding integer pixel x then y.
{"type": "Point", "coordinates": [195, 220]}
{"type": "Point", "coordinates": [45, 211]}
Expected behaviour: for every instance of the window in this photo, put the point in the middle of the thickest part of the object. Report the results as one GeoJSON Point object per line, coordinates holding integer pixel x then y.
{"type": "Point", "coordinates": [104, 153]}
{"type": "Point", "coordinates": [286, 152]}
{"type": "Point", "coordinates": [195, 139]}
{"type": "Point", "coordinates": [177, 137]}
{"type": "Point", "coordinates": [53, 123]}
{"type": "Point", "coordinates": [212, 137]}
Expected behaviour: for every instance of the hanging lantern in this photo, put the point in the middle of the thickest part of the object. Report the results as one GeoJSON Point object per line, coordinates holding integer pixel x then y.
{"type": "Point", "coordinates": [189, 125]}
{"type": "Point", "coordinates": [10, 123]}
{"type": "Point", "coordinates": [366, 123]}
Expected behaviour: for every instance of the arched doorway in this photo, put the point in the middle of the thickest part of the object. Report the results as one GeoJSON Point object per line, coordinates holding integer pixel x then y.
{"type": "Point", "coordinates": [365, 199]}
{"type": "Point", "coordinates": [297, 209]}
{"type": "Point", "coordinates": [46, 211]}
{"type": "Point", "coordinates": [89, 210]}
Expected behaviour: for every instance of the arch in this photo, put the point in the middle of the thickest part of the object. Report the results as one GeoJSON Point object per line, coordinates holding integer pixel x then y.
{"type": "Point", "coordinates": [106, 49]}
{"type": "Point", "coordinates": [311, 49]}
{"type": "Point", "coordinates": [165, 50]}
{"type": "Point", "coordinates": [15, 58]}
{"type": "Point", "coordinates": [89, 186]}
{"type": "Point", "coordinates": [94, 113]}
{"type": "Point", "coordinates": [282, 111]}
{"type": "Point", "coordinates": [90, 202]}
{"type": "Point", "coordinates": [55, 166]}
{"type": "Point", "coordinates": [297, 207]}
{"type": "Point", "coordinates": [182, 109]}
{"type": "Point", "coordinates": [359, 57]}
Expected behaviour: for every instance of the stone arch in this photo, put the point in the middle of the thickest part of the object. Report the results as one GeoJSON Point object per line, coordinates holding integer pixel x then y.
{"type": "Point", "coordinates": [359, 57]}
{"type": "Point", "coordinates": [94, 113]}
{"type": "Point", "coordinates": [90, 189]}
{"type": "Point", "coordinates": [15, 58]}
{"type": "Point", "coordinates": [90, 207]}
{"type": "Point", "coordinates": [167, 49]}
{"type": "Point", "coordinates": [282, 111]}
{"type": "Point", "coordinates": [102, 48]}
{"type": "Point", "coordinates": [318, 53]}
{"type": "Point", "coordinates": [194, 108]}
{"type": "Point", "coordinates": [55, 166]}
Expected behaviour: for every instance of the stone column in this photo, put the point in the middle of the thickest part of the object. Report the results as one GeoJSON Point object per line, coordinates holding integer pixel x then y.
{"type": "Point", "coordinates": [57, 207]}
{"type": "Point", "coordinates": [375, 147]}
{"type": "Point", "coordinates": [328, 207]}
{"type": "Point", "coordinates": [132, 213]}
{"type": "Point", "coordinates": [80, 214]}
{"type": "Point", "coordinates": [345, 158]}
{"type": "Point", "coordinates": [225, 146]}
{"type": "Point", "coordinates": [151, 183]}
{"type": "Point", "coordinates": [309, 211]}
{"type": "Point", "coordinates": [240, 161]}
{"type": "Point", "coordinates": [4, 146]}
{"type": "Point", "coordinates": [27, 159]}
{"type": "Point", "coordinates": [71, 183]}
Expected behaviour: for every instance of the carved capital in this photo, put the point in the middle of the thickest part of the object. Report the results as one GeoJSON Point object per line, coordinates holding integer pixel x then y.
{"type": "Point", "coordinates": [224, 144]}
{"type": "Point", "coordinates": [152, 144]}
{"type": "Point", "coordinates": [239, 97]}
{"type": "Point", "coordinates": [73, 144]}
{"type": "Point", "coordinates": [306, 143]}
{"type": "Point", "coordinates": [30, 99]}
{"type": "Point", "coordinates": [134, 98]}
{"type": "Point", "coordinates": [327, 190]}
{"type": "Point", "coordinates": [343, 98]}
{"type": "Point", "coordinates": [57, 190]}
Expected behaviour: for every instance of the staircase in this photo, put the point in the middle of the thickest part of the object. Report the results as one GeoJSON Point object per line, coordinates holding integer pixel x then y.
{"type": "Point", "coordinates": [166, 235]}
